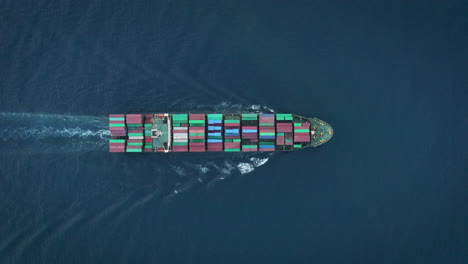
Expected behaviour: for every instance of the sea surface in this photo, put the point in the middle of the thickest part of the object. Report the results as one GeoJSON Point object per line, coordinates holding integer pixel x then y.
{"type": "Point", "coordinates": [389, 76]}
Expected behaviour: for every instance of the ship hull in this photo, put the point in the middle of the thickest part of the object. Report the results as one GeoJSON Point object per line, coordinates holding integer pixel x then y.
{"type": "Point", "coordinates": [247, 132]}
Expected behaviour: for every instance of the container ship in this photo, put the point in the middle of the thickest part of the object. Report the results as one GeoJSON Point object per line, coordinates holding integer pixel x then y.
{"type": "Point", "coordinates": [215, 132]}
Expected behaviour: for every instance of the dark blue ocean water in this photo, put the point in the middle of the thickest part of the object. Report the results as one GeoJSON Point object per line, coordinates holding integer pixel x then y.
{"type": "Point", "coordinates": [389, 76]}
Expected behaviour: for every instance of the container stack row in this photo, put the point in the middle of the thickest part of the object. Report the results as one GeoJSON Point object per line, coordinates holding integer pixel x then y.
{"type": "Point", "coordinates": [232, 139]}
{"type": "Point", "coordinates": [117, 125]}
{"type": "Point", "coordinates": [117, 145]}
{"type": "Point", "coordinates": [249, 132]}
{"type": "Point", "coordinates": [215, 132]}
{"type": "Point", "coordinates": [148, 139]}
{"type": "Point", "coordinates": [197, 133]}
{"type": "Point", "coordinates": [180, 132]}
{"type": "Point", "coordinates": [301, 134]}
{"type": "Point", "coordinates": [135, 132]}
{"type": "Point", "coordinates": [284, 131]}
{"type": "Point", "coordinates": [267, 132]}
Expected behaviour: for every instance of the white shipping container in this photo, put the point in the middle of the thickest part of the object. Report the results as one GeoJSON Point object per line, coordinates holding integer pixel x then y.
{"type": "Point", "coordinates": [136, 137]}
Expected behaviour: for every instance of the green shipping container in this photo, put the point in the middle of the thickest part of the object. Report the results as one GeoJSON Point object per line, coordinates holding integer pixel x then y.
{"type": "Point", "coordinates": [117, 119]}
{"type": "Point", "coordinates": [148, 146]}
{"type": "Point", "coordinates": [148, 125]}
{"type": "Point", "coordinates": [267, 133]}
{"type": "Point", "coordinates": [301, 130]}
{"type": "Point", "coordinates": [236, 140]}
{"type": "Point", "coordinates": [297, 146]}
{"type": "Point", "coordinates": [134, 150]}
{"type": "Point", "coordinates": [231, 150]}
{"type": "Point", "coordinates": [232, 121]}
{"type": "Point", "coordinates": [249, 146]}
{"type": "Point", "coordinates": [117, 141]}
{"type": "Point", "coordinates": [196, 134]}
{"type": "Point", "coordinates": [135, 134]}
{"type": "Point", "coordinates": [116, 125]}
{"type": "Point", "coordinates": [197, 140]}
{"type": "Point", "coordinates": [297, 124]}
{"type": "Point", "coordinates": [180, 143]}
{"type": "Point", "coordinates": [267, 143]}
{"type": "Point", "coordinates": [280, 134]}
{"type": "Point", "coordinates": [135, 144]}
{"type": "Point", "coordinates": [197, 121]}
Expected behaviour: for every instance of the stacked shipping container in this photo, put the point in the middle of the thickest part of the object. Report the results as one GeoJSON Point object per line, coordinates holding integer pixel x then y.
{"type": "Point", "coordinates": [117, 145]}
{"type": "Point", "coordinates": [135, 132]}
{"type": "Point", "coordinates": [215, 129]}
{"type": "Point", "coordinates": [197, 133]}
{"type": "Point", "coordinates": [180, 132]}
{"type": "Point", "coordinates": [117, 125]}
{"type": "Point", "coordinates": [148, 139]}
{"type": "Point", "coordinates": [267, 132]}
{"type": "Point", "coordinates": [301, 134]}
{"type": "Point", "coordinates": [232, 141]}
{"type": "Point", "coordinates": [249, 132]}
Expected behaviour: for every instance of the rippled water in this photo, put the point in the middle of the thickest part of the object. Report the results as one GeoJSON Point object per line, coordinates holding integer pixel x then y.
{"type": "Point", "coordinates": [389, 76]}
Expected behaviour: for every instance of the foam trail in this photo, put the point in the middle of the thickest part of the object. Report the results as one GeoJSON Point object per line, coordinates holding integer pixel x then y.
{"type": "Point", "coordinates": [52, 133]}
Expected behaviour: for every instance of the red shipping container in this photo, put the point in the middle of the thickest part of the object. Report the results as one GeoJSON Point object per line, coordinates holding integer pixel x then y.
{"type": "Point", "coordinates": [267, 149]}
{"type": "Point", "coordinates": [117, 144]}
{"type": "Point", "coordinates": [117, 150]}
{"type": "Point", "coordinates": [230, 125]}
{"type": "Point", "coordinates": [116, 115]}
{"type": "Point", "coordinates": [196, 137]}
{"type": "Point", "coordinates": [135, 140]}
{"type": "Point", "coordinates": [232, 144]}
{"type": "Point", "coordinates": [197, 116]}
{"type": "Point", "coordinates": [149, 115]}
{"type": "Point", "coordinates": [117, 147]}
{"type": "Point", "coordinates": [249, 127]}
{"type": "Point", "coordinates": [283, 129]}
{"type": "Point", "coordinates": [148, 150]}
{"type": "Point", "coordinates": [116, 122]}
{"type": "Point", "coordinates": [117, 128]}
{"type": "Point", "coordinates": [231, 137]}
{"type": "Point", "coordinates": [197, 144]}
{"type": "Point", "coordinates": [119, 134]}
{"type": "Point", "coordinates": [280, 140]}
{"type": "Point", "coordinates": [134, 147]}
{"type": "Point", "coordinates": [180, 150]}
{"type": "Point", "coordinates": [148, 140]}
